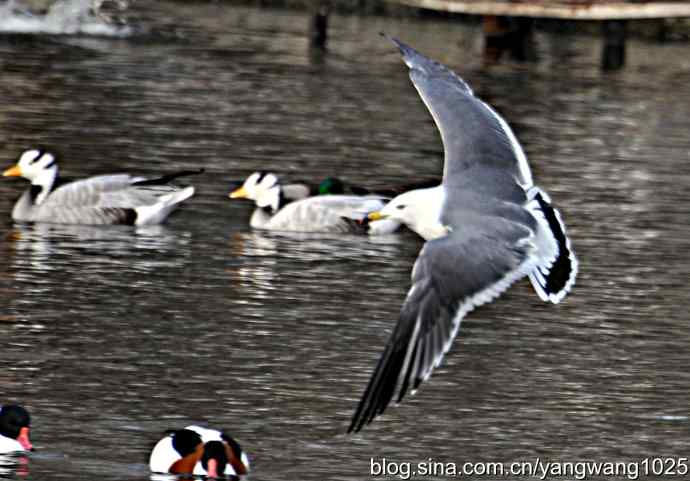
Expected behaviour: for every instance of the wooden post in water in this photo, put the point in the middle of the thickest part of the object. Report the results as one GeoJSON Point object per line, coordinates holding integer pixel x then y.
{"type": "Point", "coordinates": [523, 49]}
{"type": "Point", "coordinates": [503, 32]}
{"type": "Point", "coordinates": [510, 34]}
{"type": "Point", "coordinates": [613, 50]}
{"type": "Point", "coordinates": [319, 24]}
{"type": "Point", "coordinates": [495, 32]}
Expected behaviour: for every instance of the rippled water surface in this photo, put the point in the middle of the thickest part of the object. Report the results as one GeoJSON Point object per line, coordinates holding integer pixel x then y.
{"type": "Point", "coordinates": [112, 335]}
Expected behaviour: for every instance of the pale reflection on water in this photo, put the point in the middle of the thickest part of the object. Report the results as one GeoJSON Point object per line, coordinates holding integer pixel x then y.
{"type": "Point", "coordinates": [113, 335]}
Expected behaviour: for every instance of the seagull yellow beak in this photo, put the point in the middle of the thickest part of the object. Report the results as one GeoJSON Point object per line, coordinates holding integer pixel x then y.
{"type": "Point", "coordinates": [240, 193]}
{"type": "Point", "coordinates": [15, 171]}
{"type": "Point", "coordinates": [376, 216]}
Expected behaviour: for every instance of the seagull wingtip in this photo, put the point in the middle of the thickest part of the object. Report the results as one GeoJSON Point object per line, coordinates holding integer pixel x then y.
{"type": "Point", "coordinates": [406, 51]}
{"type": "Point", "coordinates": [402, 46]}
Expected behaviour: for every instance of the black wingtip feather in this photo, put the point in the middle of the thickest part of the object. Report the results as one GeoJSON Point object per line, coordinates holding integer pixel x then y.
{"type": "Point", "coordinates": [562, 269]}
{"type": "Point", "coordinates": [369, 405]}
{"type": "Point", "coordinates": [382, 385]}
{"type": "Point", "coordinates": [405, 49]}
{"type": "Point", "coordinates": [169, 177]}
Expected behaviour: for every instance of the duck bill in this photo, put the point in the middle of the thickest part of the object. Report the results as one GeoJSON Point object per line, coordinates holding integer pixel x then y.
{"type": "Point", "coordinates": [23, 439]}
{"type": "Point", "coordinates": [212, 468]}
{"type": "Point", "coordinates": [14, 171]}
{"type": "Point", "coordinates": [240, 193]}
{"type": "Point", "coordinates": [376, 216]}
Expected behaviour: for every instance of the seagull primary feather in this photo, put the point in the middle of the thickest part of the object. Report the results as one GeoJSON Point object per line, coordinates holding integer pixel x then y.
{"type": "Point", "coordinates": [485, 226]}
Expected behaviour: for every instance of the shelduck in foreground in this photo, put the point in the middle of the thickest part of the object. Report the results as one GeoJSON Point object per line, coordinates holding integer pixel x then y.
{"type": "Point", "coordinates": [200, 451]}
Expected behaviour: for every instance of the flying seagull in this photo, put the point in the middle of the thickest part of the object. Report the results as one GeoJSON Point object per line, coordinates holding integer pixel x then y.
{"type": "Point", "coordinates": [486, 226]}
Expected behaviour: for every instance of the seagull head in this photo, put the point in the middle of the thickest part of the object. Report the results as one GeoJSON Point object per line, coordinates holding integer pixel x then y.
{"type": "Point", "coordinates": [261, 187]}
{"type": "Point", "coordinates": [37, 164]}
{"type": "Point", "coordinates": [418, 209]}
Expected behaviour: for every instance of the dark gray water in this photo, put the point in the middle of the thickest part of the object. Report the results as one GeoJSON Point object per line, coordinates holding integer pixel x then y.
{"type": "Point", "coordinates": [112, 335]}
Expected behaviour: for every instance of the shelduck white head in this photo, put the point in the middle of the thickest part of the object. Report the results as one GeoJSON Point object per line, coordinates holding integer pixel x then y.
{"type": "Point", "coordinates": [200, 451]}
{"type": "Point", "coordinates": [15, 424]}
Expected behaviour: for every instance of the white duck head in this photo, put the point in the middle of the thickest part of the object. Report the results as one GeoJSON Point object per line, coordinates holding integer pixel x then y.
{"type": "Point", "coordinates": [263, 188]}
{"type": "Point", "coordinates": [39, 166]}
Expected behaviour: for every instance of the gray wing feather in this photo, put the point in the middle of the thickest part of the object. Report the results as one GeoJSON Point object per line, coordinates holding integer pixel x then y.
{"type": "Point", "coordinates": [323, 213]}
{"type": "Point", "coordinates": [472, 133]}
{"type": "Point", "coordinates": [85, 215]}
{"type": "Point", "coordinates": [106, 199]}
{"type": "Point", "coordinates": [451, 276]}
{"type": "Point", "coordinates": [484, 192]}
{"type": "Point", "coordinates": [101, 191]}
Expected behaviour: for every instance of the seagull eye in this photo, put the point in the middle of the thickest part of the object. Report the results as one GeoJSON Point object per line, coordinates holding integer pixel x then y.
{"type": "Point", "coordinates": [400, 207]}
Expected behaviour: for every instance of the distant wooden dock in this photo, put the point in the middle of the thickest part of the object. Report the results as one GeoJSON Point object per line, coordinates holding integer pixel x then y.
{"type": "Point", "coordinates": [508, 24]}
{"type": "Point", "coordinates": [565, 10]}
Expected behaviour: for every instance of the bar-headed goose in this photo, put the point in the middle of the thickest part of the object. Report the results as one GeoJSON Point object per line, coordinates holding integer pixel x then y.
{"type": "Point", "coordinates": [293, 207]}
{"type": "Point", "coordinates": [105, 199]}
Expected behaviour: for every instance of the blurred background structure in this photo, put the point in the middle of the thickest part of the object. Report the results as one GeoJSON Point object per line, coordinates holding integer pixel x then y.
{"type": "Point", "coordinates": [508, 24]}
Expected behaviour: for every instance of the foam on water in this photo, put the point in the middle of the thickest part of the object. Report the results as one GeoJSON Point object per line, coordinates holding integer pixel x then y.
{"type": "Point", "coordinates": [63, 17]}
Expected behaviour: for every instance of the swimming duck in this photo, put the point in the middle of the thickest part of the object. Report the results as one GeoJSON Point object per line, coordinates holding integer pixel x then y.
{"type": "Point", "coordinates": [294, 207]}
{"type": "Point", "coordinates": [201, 451]}
{"type": "Point", "coordinates": [15, 423]}
{"type": "Point", "coordinates": [105, 199]}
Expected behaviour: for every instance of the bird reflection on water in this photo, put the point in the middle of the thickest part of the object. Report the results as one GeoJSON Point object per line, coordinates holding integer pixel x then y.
{"type": "Point", "coordinates": [45, 247]}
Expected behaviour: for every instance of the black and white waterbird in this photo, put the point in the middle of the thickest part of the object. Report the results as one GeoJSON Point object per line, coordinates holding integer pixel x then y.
{"type": "Point", "coordinates": [486, 226]}
{"type": "Point", "coordinates": [199, 451]}
{"type": "Point", "coordinates": [298, 208]}
{"type": "Point", "coordinates": [15, 424]}
{"type": "Point", "coordinates": [105, 199]}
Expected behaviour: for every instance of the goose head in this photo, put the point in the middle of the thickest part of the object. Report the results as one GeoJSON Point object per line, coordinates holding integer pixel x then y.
{"type": "Point", "coordinates": [40, 167]}
{"type": "Point", "coordinates": [261, 187]}
{"type": "Point", "coordinates": [37, 165]}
